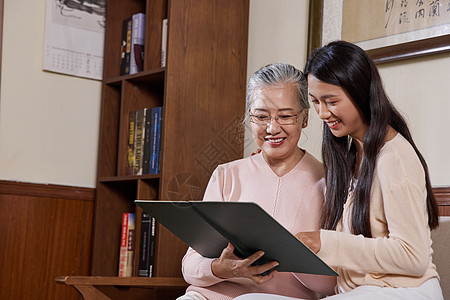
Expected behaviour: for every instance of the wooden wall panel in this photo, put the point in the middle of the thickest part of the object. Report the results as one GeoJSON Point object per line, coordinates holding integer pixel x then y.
{"type": "Point", "coordinates": [442, 195]}
{"type": "Point", "coordinates": [46, 232]}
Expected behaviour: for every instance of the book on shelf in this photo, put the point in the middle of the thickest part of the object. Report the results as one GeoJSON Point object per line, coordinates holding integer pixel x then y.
{"type": "Point", "coordinates": [126, 47]}
{"type": "Point", "coordinates": [148, 242]}
{"type": "Point", "coordinates": [155, 139]}
{"type": "Point", "coordinates": [144, 139]}
{"type": "Point", "coordinates": [139, 141]}
{"type": "Point", "coordinates": [208, 226]}
{"type": "Point", "coordinates": [164, 43]}
{"type": "Point", "coordinates": [147, 141]}
{"type": "Point", "coordinates": [131, 142]}
{"type": "Point", "coordinates": [126, 245]}
{"type": "Point", "coordinates": [137, 43]}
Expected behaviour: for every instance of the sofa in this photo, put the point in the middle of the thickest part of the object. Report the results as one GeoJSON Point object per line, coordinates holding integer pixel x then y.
{"type": "Point", "coordinates": [441, 258]}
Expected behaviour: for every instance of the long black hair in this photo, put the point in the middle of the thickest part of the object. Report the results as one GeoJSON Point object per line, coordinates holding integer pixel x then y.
{"type": "Point", "coordinates": [348, 66]}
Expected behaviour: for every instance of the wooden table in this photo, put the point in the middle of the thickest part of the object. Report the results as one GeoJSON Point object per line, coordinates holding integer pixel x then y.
{"type": "Point", "coordinates": [137, 288]}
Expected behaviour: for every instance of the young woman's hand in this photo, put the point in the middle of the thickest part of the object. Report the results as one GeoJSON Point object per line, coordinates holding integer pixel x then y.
{"type": "Point", "coordinates": [310, 239]}
{"type": "Point", "coordinates": [228, 265]}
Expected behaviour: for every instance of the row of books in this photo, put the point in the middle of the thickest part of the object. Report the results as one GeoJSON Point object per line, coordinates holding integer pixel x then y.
{"type": "Point", "coordinates": [144, 139]}
{"type": "Point", "coordinates": [147, 246]}
{"type": "Point", "coordinates": [133, 44]}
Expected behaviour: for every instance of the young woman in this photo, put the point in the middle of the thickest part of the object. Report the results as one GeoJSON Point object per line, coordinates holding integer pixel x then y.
{"type": "Point", "coordinates": [283, 179]}
{"type": "Point", "coordinates": [379, 207]}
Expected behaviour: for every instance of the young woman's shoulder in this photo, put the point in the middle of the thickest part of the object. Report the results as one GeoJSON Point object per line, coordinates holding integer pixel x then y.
{"type": "Point", "coordinates": [397, 158]}
{"type": "Point", "coordinates": [396, 148]}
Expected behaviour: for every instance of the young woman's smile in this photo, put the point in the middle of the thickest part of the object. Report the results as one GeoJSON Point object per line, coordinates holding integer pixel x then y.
{"type": "Point", "coordinates": [336, 108]}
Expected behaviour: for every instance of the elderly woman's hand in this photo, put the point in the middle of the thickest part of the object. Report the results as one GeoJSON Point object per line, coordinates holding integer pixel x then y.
{"type": "Point", "coordinates": [228, 265]}
{"type": "Point", "coordinates": [310, 239]}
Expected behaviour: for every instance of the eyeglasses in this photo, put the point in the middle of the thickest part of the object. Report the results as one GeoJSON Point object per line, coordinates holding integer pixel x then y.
{"type": "Point", "coordinates": [263, 119]}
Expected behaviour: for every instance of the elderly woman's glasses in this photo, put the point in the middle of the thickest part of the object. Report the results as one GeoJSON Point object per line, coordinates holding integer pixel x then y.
{"type": "Point", "coordinates": [263, 119]}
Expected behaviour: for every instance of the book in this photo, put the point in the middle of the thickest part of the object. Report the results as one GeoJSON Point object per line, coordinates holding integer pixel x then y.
{"type": "Point", "coordinates": [126, 47]}
{"type": "Point", "coordinates": [163, 43]}
{"type": "Point", "coordinates": [208, 226]}
{"type": "Point", "coordinates": [126, 245]}
{"type": "Point", "coordinates": [147, 251]}
{"type": "Point", "coordinates": [152, 248]}
{"type": "Point", "coordinates": [131, 141]}
{"type": "Point", "coordinates": [139, 141]}
{"type": "Point", "coordinates": [137, 43]}
{"type": "Point", "coordinates": [147, 142]}
{"type": "Point", "coordinates": [155, 139]}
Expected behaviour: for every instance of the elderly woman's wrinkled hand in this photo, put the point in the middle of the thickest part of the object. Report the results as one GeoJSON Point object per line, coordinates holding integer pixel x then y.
{"type": "Point", "coordinates": [228, 265]}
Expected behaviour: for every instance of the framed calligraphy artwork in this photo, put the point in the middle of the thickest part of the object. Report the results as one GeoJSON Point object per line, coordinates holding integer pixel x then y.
{"type": "Point", "coordinates": [388, 30]}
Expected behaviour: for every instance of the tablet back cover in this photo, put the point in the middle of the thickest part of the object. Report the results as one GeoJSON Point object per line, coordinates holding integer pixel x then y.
{"type": "Point", "coordinates": [207, 227]}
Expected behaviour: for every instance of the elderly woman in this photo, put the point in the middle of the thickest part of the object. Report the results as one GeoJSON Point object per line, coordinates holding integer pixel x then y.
{"type": "Point", "coordinates": [285, 180]}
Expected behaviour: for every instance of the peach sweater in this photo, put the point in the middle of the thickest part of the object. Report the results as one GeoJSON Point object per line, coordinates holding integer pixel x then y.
{"type": "Point", "coordinates": [294, 200]}
{"type": "Point", "coordinates": [399, 254]}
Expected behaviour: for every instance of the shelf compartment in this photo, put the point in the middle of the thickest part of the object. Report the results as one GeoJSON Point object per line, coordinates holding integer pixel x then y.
{"type": "Point", "coordinates": [117, 11]}
{"type": "Point", "coordinates": [135, 95]}
{"type": "Point", "coordinates": [156, 12]}
{"type": "Point", "coordinates": [112, 200]}
{"type": "Point", "coordinates": [109, 131]}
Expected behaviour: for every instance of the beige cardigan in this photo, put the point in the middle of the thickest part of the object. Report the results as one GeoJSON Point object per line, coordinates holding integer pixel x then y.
{"type": "Point", "coordinates": [399, 254]}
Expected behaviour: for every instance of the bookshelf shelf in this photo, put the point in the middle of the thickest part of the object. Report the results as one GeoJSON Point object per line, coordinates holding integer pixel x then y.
{"type": "Point", "coordinates": [202, 93]}
{"type": "Point", "coordinates": [151, 76]}
{"type": "Point", "coordinates": [119, 179]}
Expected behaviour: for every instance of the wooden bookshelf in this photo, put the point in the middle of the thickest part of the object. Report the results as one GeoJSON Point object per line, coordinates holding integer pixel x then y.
{"type": "Point", "coordinates": [202, 92]}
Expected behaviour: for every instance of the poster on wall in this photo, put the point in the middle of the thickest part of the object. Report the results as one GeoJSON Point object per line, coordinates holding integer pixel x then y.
{"type": "Point", "coordinates": [74, 35]}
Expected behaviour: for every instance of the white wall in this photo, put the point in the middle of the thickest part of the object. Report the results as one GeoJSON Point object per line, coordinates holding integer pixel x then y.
{"type": "Point", "coordinates": [278, 32]}
{"type": "Point", "coordinates": [420, 90]}
{"type": "Point", "coordinates": [48, 122]}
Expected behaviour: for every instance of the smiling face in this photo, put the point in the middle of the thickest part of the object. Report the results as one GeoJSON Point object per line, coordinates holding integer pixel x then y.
{"type": "Point", "coordinates": [278, 142]}
{"type": "Point", "coordinates": [336, 108]}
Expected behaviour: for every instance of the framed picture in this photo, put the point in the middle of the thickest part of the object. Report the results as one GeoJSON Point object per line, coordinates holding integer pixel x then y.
{"type": "Point", "coordinates": [388, 30]}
